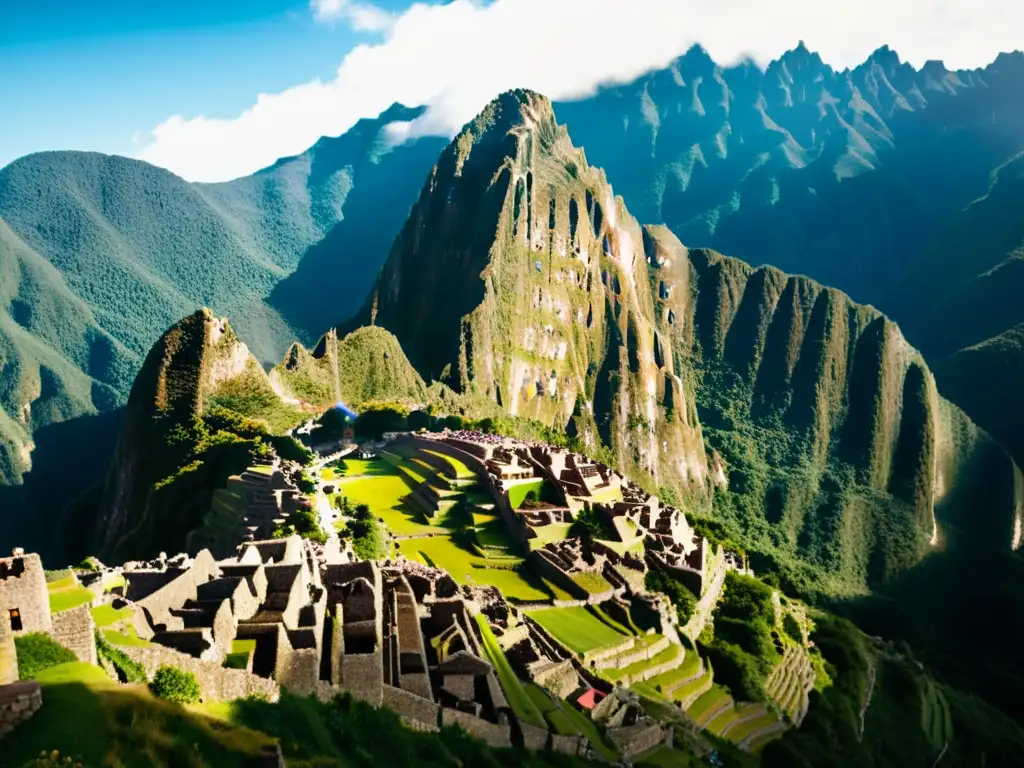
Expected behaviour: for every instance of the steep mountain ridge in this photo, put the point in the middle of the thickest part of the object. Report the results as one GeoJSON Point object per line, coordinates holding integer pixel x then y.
{"type": "Point", "coordinates": [520, 277]}
{"type": "Point", "coordinates": [201, 409]}
{"type": "Point", "coordinates": [894, 184]}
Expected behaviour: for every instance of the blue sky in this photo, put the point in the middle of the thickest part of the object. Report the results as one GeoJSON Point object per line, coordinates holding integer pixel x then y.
{"type": "Point", "coordinates": [89, 74]}
{"type": "Point", "coordinates": [215, 89]}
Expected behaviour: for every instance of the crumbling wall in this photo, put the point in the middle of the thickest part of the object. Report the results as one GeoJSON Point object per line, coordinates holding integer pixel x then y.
{"type": "Point", "coordinates": [494, 734]}
{"type": "Point", "coordinates": [76, 631]}
{"type": "Point", "coordinates": [18, 702]}
{"type": "Point", "coordinates": [217, 683]}
{"type": "Point", "coordinates": [418, 712]}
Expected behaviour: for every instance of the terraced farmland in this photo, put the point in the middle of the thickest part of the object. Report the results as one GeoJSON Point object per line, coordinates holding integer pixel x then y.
{"type": "Point", "coordinates": [430, 505]}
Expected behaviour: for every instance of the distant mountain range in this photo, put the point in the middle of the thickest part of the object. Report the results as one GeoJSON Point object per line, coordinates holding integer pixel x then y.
{"type": "Point", "coordinates": [895, 185]}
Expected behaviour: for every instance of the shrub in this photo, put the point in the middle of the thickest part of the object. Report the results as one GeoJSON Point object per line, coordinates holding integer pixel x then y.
{"type": "Point", "coordinates": [37, 651]}
{"type": "Point", "coordinates": [175, 685]}
{"type": "Point", "coordinates": [678, 593]}
{"type": "Point", "coordinates": [590, 525]}
{"type": "Point", "coordinates": [792, 627]}
{"type": "Point", "coordinates": [418, 420]}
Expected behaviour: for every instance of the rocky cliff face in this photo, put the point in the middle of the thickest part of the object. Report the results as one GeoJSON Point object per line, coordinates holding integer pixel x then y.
{"type": "Point", "coordinates": [520, 277]}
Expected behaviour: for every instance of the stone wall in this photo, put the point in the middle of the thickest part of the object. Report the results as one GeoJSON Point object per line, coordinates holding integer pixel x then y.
{"type": "Point", "coordinates": [18, 702]}
{"type": "Point", "coordinates": [494, 734]}
{"type": "Point", "coordinates": [8, 654]}
{"type": "Point", "coordinates": [547, 569]}
{"type": "Point", "coordinates": [217, 683]}
{"type": "Point", "coordinates": [158, 605]}
{"type": "Point", "coordinates": [417, 712]}
{"type": "Point", "coordinates": [568, 745]}
{"type": "Point", "coordinates": [533, 737]}
{"type": "Point", "coordinates": [636, 739]}
{"type": "Point", "coordinates": [76, 631]}
{"type": "Point", "coordinates": [25, 593]}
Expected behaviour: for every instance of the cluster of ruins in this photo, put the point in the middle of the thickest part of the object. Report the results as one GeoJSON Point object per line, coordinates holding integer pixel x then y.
{"type": "Point", "coordinates": [253, 617]}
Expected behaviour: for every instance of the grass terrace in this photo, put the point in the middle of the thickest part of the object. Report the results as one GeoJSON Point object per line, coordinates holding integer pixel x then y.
{"type": "Point", "coordinates": [666, 757]}
{"type": "Point", "coordinates": [519, 490]}
{"type": "Point", "coordinates": [577, 628]}
{"type": "Point", "coordinates": [65, 594]}
{"type": "Point", "coordinates": [592, 581]}
{"type": "Point", "coordinates": [106, 615]}
{"type": "Point", "coordinates": [127, 638]}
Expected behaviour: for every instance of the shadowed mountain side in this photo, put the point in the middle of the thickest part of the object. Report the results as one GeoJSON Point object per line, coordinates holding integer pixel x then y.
{"type": "Point", "coordinates": [335, 275]}
{"type": "Point", "coordinates": [70, 459]}
{"type": "Point", "coordinates": [962, 302]}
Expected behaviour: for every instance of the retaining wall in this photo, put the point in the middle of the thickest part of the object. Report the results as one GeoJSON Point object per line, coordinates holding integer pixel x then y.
{"type": "Point", "coordinates": [76, 631]}
{"type": "Point", "coordinates": [217, 683]}
{"type": "Point", "coordinates": [18, 702]}
{"type": "Point", "coordinates": [494, 734]}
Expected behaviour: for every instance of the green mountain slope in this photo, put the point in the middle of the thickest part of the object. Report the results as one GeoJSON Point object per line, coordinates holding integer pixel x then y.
{"type": "Point", "coordinates": [499, 286]}
{"type": "Point", "coordinates": [367, 365]}
{"type": "Point", "coordinates": [521, 278]}
{"type": "Point", "coordinates": [200, 410]}
{"type": "Point", "coordinates": [99, 253]}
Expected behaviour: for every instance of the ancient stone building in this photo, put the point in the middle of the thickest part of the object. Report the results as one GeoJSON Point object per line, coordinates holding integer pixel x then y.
{"type": "Point", "coordinates": [24, 600]}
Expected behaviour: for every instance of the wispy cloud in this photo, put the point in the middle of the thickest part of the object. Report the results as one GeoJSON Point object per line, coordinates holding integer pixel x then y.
{"type": "Point", "coordinates": [457, 56]}
{"type": "Point", "coordinates": [363, 17]}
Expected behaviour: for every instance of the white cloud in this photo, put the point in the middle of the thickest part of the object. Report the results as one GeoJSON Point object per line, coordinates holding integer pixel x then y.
{"type": "Point", "coordinates": [363, 17]}
{"type": "Point", "coordinates": [456, 57]}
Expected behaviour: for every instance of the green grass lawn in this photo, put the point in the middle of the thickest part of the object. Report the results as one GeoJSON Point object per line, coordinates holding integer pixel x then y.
{"type": "Point", "coordinates": [589, 728]}
{"type": "Point", "coordinates": [238, 657]}
{"type": "Point", "coordinates": [127, 638]}
{"type": "Point", "coordinates": [62, 583]}
{"type": "Point", "coordinates": [518, 698]}
{"type": "Point", "coordinates": [592, 581]}
{"type": "Point", "coordinates": [69, 597]}
{"type": "Point", "coordinates": [517, 493]}
{"type": "Point", "coordinates": [383, 492]}
{"type": "Point", "coordinates": [95, 721]}
{"type": "Point", "coordinates": [461, 470]}
{"type": "Point", "coordinates": [549, 533]}
{"type": "Point", "coordinates": [72, 672]}
{"type": "Point", "coordinates": [468, 568]}
{"type": "Point", "coordinates": [105, 615]}
{"type": "Point", "coordinates": [747, 727]}
{"type": "Point", "coordinates": [577, 628]}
